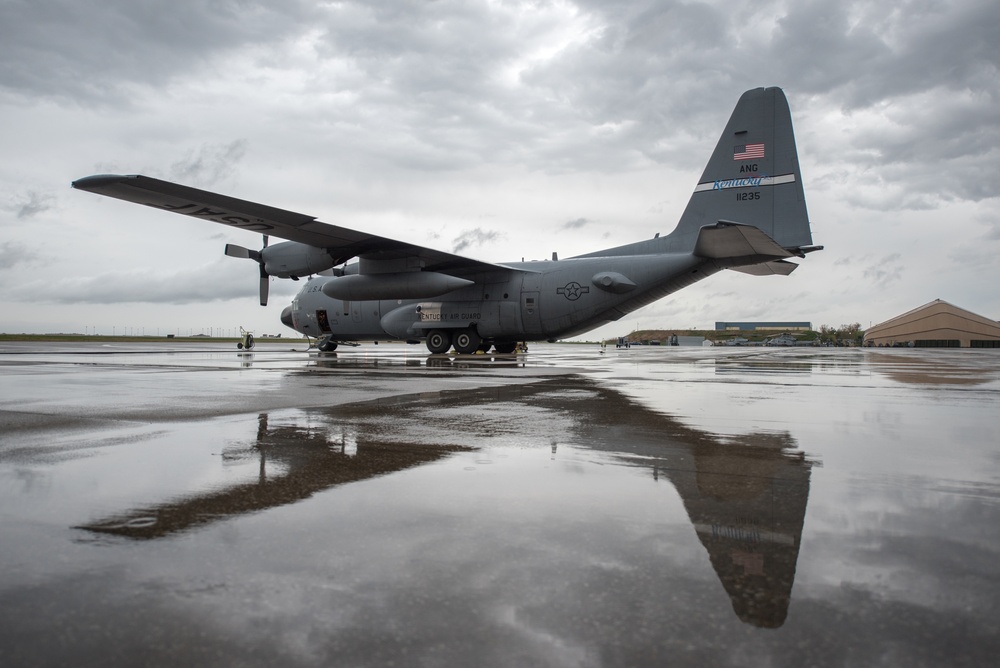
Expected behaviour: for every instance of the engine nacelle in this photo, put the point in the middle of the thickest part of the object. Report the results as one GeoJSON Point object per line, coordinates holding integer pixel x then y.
{"type": "Point", "coordinates": [291, 259]}
{"type": "Point", "coordinates": [401, 285]}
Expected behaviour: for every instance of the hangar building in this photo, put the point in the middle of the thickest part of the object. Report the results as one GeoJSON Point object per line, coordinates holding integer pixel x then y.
{"type": "Point", "coordinates": [936, 325]}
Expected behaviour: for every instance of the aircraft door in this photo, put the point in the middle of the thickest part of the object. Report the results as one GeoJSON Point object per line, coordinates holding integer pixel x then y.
{"type": "Point", "coordinates": [531, 317]}
{"type": "Point", "coordinates": [529, 313]}
{"type": "Point", "coordinates": [323, 321]}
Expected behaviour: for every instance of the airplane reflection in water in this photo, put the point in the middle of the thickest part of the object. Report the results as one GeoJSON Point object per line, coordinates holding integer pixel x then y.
{"type": "Point", "coordinates": [313, 459]}
{"type": "Point", "coordinates": [745, 496]}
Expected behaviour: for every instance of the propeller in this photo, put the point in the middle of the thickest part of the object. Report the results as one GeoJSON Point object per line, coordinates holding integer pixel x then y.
{"type": "Point", "coordinates": [232, 250]}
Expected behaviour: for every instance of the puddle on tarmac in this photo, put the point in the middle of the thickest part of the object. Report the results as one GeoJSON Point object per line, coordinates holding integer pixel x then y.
{"type": "Point", "coordinates": [719, 507]}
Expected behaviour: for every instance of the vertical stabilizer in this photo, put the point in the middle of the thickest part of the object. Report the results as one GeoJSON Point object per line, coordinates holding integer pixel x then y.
{"type": "Point", "coordinates": [753, 176]}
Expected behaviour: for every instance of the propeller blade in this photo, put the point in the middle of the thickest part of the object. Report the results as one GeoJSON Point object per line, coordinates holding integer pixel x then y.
{"type": "Point", "coordinates": [232, 250]}
{"type": "Point", "coordinates": [265, 283]}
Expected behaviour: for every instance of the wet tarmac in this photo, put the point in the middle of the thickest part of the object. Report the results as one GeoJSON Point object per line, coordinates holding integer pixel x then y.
{"type": "Point", "coordinates": [654, 506]}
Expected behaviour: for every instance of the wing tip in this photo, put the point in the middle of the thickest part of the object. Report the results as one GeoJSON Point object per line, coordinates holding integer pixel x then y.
{"type": "Point", "coordinates": [98, 181]}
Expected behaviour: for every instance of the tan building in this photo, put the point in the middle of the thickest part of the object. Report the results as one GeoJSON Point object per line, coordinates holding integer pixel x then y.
{"type": "Point", "coordinates": [936, 325]}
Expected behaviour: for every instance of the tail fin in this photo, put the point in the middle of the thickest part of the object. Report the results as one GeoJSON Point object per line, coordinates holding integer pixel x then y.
{"type": "Point", "coordinates": [752, 178]}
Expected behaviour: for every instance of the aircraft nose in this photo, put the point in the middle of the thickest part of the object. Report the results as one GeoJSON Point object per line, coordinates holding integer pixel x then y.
{"type": "Point", "coordinates": [286, 317]}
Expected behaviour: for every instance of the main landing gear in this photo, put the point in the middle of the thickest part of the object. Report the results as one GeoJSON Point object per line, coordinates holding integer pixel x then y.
{"type": "Point", "coordinates": [466, 342]}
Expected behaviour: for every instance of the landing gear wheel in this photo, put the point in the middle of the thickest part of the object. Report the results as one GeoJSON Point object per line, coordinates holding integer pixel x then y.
{"type": "Point", "coordinates": [467, 341]}
{"type": "Point", "coordinates": [327, 346]}
{"type": "Point", "coordinates": [506, 347]}
{"type": "Point", "coordinates": [438, 341]}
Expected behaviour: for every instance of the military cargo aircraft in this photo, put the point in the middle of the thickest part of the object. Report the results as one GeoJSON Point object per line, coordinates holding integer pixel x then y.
{"type": "Point", "coordinates": [747, 213]}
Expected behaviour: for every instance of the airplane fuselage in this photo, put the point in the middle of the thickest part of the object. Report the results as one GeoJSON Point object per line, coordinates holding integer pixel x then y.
{"type": "Point", "coordinates": [527, 301]}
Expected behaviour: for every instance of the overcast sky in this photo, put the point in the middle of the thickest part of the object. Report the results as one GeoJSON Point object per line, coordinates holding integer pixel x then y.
{"type": "Point", "coordinates": [499, 130]}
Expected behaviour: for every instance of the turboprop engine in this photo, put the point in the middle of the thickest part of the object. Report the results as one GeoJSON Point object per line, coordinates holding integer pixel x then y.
{"type": "Point", "coordinates": [288, 259]}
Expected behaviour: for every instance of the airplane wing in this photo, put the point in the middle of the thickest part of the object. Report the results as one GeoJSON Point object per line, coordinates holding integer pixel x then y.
{"type": "Point", "coordinates": [342, 243]}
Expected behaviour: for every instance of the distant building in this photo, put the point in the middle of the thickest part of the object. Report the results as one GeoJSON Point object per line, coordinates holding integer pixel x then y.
{"type": "Point", "coordinates": [937, 324]}
{"type": "Point", "coordinates": [771, 326]}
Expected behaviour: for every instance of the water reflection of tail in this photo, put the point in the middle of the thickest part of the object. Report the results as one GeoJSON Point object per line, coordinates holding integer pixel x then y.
{"type": "Point", "coordinates": [747, 502]}
{"type": "Point", "coordinates": [745, 496]}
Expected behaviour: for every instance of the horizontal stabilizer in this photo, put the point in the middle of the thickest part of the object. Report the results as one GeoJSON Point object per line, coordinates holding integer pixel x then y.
{"type": "Point", "coordinates": [732, 240]}
{"type": "Point", "coordinates": [776, 268]}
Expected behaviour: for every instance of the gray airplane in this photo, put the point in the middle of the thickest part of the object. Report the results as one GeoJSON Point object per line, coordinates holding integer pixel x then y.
{"type": "Point", "coordinates": [747, 213]}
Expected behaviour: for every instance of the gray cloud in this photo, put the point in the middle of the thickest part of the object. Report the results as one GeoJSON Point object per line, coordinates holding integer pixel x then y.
{"type": "Point", "coordinates": [922, 76]}
{"type": "Point", "coordinates": [615, 91]}
{"type": "Point", "coordinates": [993, 233]}
{"type": "Point", "coordinates": [210, 164]}
{"type": "Point", "coordinates": [214, 282]}
{"type": "Point", "coordinates": [929, 70]}
{"type": "Point", "coordinates": [30, 204]}
{"type": "Point", "coordinates": [93, 52]}
{"type": "Point", "coordinates": [885, 271]}
{"type": "Point", "coordinates": [872, 51]}
{"type": "Point", "coordinates": [441, 100]}
{"type": "Point", "coordinates": [475, 237]}
{"type": "Point", "coordinates": [13, 253]}
{"type": "Point", "coordinates": [575, 224]}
